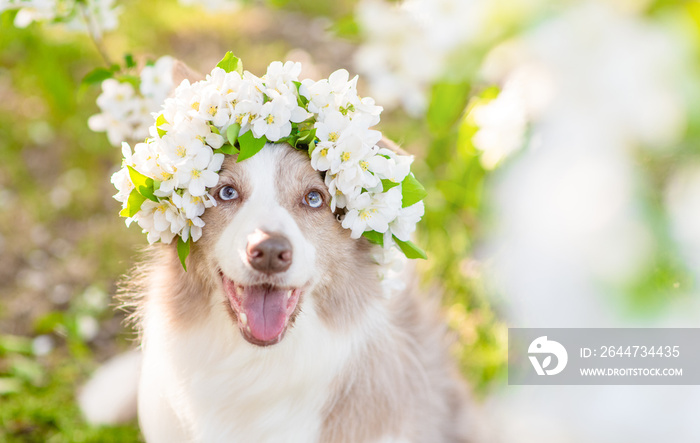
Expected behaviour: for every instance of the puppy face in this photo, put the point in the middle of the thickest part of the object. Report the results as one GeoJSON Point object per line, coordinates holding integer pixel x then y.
{"type": "Point", "coordinates": [267, 237]}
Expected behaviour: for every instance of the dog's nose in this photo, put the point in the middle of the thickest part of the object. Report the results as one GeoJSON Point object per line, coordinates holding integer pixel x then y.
{"type": "Point", "coordinates": [269, 253]}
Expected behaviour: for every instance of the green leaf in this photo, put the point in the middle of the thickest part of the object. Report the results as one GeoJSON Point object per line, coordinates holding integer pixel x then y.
{"type": "Point", "coordinates": [161, 121]}
{"type": "Point", "coordinates": [232, 133]}
{"type": "Point", "coordinates": [133, 204]}
{"type": "Point", "coordinates": [134, 80]}
{"type": "Point", "coordinates": [410, 249]}
{"type": "Point", "coordinates": [346, 27]}
{"type": "Point", "coordinates": [301, 100]}
{"type": "Point", "coordinates": [388, 184]}
{"type": "Point", "coordinates": [306, 137]}
{"type": "Point", "coordinates": [144, 185]}
{"type": "Point", "coordinates": [312, 146]}
{"type": "Point", "coordinates": [374, 237]}
{"type": "Point", "coordinates": [412, 191]}
{"type": "Point", "coordinates": [226, 149]}
{"type": "Point", "coordinates": [292, 139]}
{"type": "Point", "coordinates": [231, 63]}
{"type": "Point", "coordinates": [129, 61]}
{"type": "Point", "coordinates": [97, 75]}
{"type": "Point", "coordinates": [183, 250]}
{"type": "Point", "coordinates": [250, 145]}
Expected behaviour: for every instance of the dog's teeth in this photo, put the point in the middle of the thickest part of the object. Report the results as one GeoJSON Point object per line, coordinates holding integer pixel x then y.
{"type": "Point", "coordinates": [289, 294]}
{"type": "Point", "coordinates": [243, 318]}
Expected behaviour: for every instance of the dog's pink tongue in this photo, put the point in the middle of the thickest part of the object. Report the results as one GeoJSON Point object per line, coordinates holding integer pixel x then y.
{"type": "Point", "coordinates": [266, 309]}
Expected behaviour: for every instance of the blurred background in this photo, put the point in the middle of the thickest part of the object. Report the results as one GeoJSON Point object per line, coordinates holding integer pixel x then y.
{"type": "Point", "coordinates": [558, 141]}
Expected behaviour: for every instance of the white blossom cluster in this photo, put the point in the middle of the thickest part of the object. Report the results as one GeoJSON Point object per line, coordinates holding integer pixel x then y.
{"type": "Point", "coordinates": [126, 112]}
{"type": "Point", "coordinates": [179, 155]}
{"type": "Point", "coordinates": [102, 15]}
{"type": "Point", "coordinates": [407, 46]}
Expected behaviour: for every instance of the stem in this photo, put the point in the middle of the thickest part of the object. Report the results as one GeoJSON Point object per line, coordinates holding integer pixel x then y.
{"type": "Point", "coordinates": [94, 33]}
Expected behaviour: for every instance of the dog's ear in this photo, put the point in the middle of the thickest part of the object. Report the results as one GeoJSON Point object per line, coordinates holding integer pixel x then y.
{"type": "Point", "coordinates": [390, 145]}
{"type": "Point", "coordinates": [183, 72]}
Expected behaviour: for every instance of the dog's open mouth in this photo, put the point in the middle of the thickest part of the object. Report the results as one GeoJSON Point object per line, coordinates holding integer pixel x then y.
{"type": "Point", "coordinates": [263, 311]}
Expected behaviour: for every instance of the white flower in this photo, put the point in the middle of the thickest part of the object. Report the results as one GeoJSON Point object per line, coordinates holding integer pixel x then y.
{"type": "Point", "coordinates": [200, 172]}
{"type": "Point", "coordinates": [125, 114]}
{"type": "Point", "coordinates": [390, 166]}
{"type": "Point", "coordinates": [502, 123]}
{"type": "Point", "coordinates": [214, 107]}
{"type": "Point", "coordinates": [161, 221]}
{"type": "Point", "coordinates": [323, 155]}
{"type": "Point", "coordinates": [245, 112]}
{"type": "Point", "coordinates": [332, 127]}
{"type": "Point", "coordinates": [102, 15]}
{"type": "Point", "coordinates": [275, 117]}
{"type": "Point", "coordinates": [32, 11]}
{"type": "Point", "coordinates": [391, 262]}
{"type": "Point", "coordinates": [157, 80]}
{"type": "Point", "coordinates": [193, 227]}
{"type": "Point", "coordinates": [350, 152]}
{"type": "Point", "coordinates": [405, 222]}
{"type": "Point", "coordinates": [340, 199]}
{"type": "Point", "coordinates": [122, 182]}
{"type": "Point", "coordinates": [279, 74]}
{"type": "Point", "coordinates": [193, 206]}
{"type": "Point", "coordinates": [355, 171]}
{"type": "Point", "coordinates": [117, 128]}
{"type": "Point", "coordinates": [372, 212]}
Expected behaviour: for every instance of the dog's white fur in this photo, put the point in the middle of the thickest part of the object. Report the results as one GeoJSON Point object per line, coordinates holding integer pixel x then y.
{"type": "Point", "coordinates": [353, 366]}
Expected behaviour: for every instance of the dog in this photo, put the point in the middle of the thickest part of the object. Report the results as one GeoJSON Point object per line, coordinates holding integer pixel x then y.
{"type": "Point", "coordinates": [279, 330]}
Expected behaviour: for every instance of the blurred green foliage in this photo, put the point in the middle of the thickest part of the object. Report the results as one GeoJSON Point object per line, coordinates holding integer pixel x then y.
{"type": "Point", "coordinates": [59, 230]}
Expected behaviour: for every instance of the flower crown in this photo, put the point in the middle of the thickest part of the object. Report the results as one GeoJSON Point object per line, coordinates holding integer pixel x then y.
{"type": "Point", "coordinates": [164, 183]}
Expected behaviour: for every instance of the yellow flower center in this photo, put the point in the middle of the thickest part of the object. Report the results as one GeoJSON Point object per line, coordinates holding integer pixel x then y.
{"type": "Point", "coordinates": [345, 156]}
{"type": "Point", "coordinates": [324, 152]}
{"type": "Point", "coordinates": [366, 214]}
{"type": "Point", "coordinates": [180, 151]}
{"type": "Point", "coordinates": [270, 119]}
{"type": "Point", "coordinates": [212, 110]}
{"type": "Point", "coordinates": [196, 173]}
{"type": "Point", "coordinates": [195, 106]}
{"type": "Point", "coordinates": [364, 165]}
{"type": "Point", "coordinates": [333, 136]}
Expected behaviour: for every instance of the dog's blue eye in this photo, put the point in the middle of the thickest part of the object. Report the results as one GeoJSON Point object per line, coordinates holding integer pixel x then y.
{"type": "Point", "coordinates": [313, 199]}
{"type": "Point", "coordinates": [228, 193]}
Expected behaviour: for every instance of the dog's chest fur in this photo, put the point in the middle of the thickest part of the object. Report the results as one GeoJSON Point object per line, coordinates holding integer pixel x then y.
{"type": "Point", "coordinates": [230, 390]}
